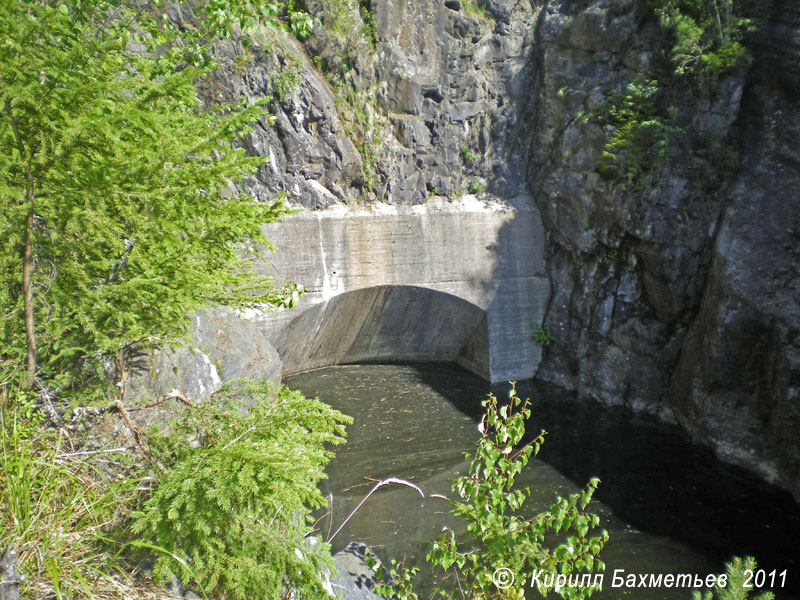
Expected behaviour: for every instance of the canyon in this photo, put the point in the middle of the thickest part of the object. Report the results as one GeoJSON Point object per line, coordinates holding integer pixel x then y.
{"type": "Point", "coordinates": [450, 203]}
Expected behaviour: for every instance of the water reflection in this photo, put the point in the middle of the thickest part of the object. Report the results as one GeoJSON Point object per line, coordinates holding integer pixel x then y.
{"type": "Point", "coordinates": [668, 505]}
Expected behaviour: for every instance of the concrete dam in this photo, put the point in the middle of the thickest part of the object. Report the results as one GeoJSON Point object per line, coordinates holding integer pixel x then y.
{"type": "Point", "coordinates": [449, 280]}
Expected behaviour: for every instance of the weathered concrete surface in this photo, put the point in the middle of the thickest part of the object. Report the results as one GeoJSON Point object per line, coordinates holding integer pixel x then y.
{"type": "Point", "coordinates": [387, 323]}
{"type": "Point", "coordinates": [480, 262]}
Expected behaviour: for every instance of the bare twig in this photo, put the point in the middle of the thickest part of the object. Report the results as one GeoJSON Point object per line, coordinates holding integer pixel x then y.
{"type": "Point", "coordinates": [538, 439]}
{"type": "Point", "coordinates": [372, 491]}
{"type": "Point", "coordinates": [330, 522]}
{"type": "Point", "coordinates": [138, 436]}
{"type": "Point", "coordinates": [169, 396]}
{"type": "Point", "coordinates": [275, 516]}
{"type": "Point", "coordinates": [252, 428]}
{"type": "Point", "coordinates": [358, 485]}
{"type": "Point", "coordinates": [90, 452]}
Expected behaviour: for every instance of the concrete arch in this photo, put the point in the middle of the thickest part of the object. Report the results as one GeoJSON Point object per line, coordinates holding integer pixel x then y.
{"type": "Point", "coordinates": [486, 252]}
{"type": "Point", "coordinates": [388, 323]}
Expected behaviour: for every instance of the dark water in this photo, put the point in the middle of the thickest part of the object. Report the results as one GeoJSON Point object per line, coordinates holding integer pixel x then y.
{"type": "Point", "coordinates": [668, 505]}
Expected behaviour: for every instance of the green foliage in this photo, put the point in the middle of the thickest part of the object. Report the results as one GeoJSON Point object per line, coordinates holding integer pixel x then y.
{"type": "Point", "coordinates": [642, 135]}
{"type": "Point", "coordinates": [707, 37]}
{"type": "Point", "coordinates": [400, 578]}
{"type": "Point", "coordinates": [284, 82]}
{"type": "Point", "coordinates": [364, 124]}
{"type": "Point", "coordinates": [350, 25]}
{"type": "Point", "coordinates": [716, 162]}
{"type": "Point", "coordinates": [477, 185]}
{"type": "Point", "coordinates": [477, 8]}
{"type": "Point", "coordinates": [215, 19]}
{"type": "Point", "coordinates": [467, 154]}
{"type": "Point", "coordinates": [369, 29]}
{"type": "Point", "coordinates": [542, 336]}
{"type": "Point", "coordinates": [120, 178]}
{"type": "Point", "coordinates": [54, 508]}
{"type": "Point", "coordinates": [232, 511]}
{"type": "Point", "coordinates": [706, 45]}
{"type": "Point", "coordinates": [116, 198]}
{"type": "Point", "coordinates": [300, 23]}
{"type": "Point", "coordinates": [734, 588]}
{"type": "Point", "coordinates": [556, 541]}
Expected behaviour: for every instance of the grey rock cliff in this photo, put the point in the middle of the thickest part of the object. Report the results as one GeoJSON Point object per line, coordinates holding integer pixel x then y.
{"type": "Point", "coordinates": [309, 157]}
{"type": "Point", "coordinates": [354, 579]}
{"type": "Point", "coordinates": [737, 384]}
{"type": "Point", "coordinates": [443, 93]}
{"type": "Point", "coordinates": [680, 300]}
{"type": "Point", "coordinates": [224, 347]}
{"type": "Point", "coordinates": [627, 268]}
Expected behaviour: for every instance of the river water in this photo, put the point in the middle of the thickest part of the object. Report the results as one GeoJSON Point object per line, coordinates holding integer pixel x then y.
{"type": "Point", "coordinates": [667, 504]}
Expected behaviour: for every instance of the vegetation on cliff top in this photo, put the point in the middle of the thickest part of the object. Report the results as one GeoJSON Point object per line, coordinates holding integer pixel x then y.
{"type": "Point", "coordinates": [705, 45]}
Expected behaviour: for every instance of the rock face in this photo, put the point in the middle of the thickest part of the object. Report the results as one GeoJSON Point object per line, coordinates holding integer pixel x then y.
{"type": "Point", "coordinates": [224, 347]}
{"type": "Point", "coordinates": [737, 384]}
{"type": "Point", "coordinates": [453, 83]}
{"type": "Point", "coordinates": [680, 299]}
{"type": "Point", "coordinates": [435, 109]}
{"type": "Point", "coordinates": [354, 579]}
{"type": "Point", "coordinates": [627, 267]}
{"type": "Point", "coordinates": [309, 157]}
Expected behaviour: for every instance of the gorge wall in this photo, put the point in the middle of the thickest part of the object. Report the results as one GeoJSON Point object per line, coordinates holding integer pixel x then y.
{"type": "Point", "coordinates": [680, 300]}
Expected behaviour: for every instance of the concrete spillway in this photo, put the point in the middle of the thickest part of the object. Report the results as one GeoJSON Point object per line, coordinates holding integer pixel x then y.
{"type": "Point", "coordinates": [448, 280]}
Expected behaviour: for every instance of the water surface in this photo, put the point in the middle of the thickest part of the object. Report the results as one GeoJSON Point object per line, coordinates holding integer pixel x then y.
{"type": "Point", "coordinates": [668, 505]}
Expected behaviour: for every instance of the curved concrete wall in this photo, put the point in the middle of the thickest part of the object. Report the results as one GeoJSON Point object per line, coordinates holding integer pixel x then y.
{"type": "Point", "coordinates": [487, 252]}
{"type": "Point", "coordinates": [386, 323]}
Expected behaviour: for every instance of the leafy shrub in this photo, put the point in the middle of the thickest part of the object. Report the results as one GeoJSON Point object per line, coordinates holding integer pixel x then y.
{"type": "Point", "coordinates": [301, 25]}
{"type": "Point", "coordinates": [543, 336]}
{"type": "Point", "coordinates": [232, 511]}
{"type": "Point", "coordinates": [705, 45]}
{"type": "Point", "coordinates": [505, 536]}
{"type": "Point", "coordinates": [477, 186]}
{"type": "Point", "coordinates": [369, 29]}
{"type": "Point", "coordinates": [477, 8]}
{"type": "Point", "coordinates": [365, 125]}
{"type": "Point", "coordinates": [284, 82]}
{"type": "Point", "coordinates": [350, 24]}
